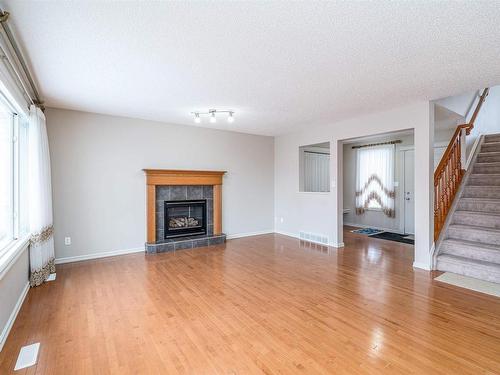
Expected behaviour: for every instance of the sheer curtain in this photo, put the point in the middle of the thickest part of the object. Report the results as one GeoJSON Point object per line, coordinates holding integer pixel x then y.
{"type": "Point", "coordinates": [316, 171]}
{"type": "Point", "coordinates": [40, 200]}
{"type": "Point", "coordinates": [375, 179]}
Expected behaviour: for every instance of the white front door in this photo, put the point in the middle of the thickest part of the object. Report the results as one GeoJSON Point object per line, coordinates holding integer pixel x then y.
{"type": "Point", "coordinates": [408, 192]}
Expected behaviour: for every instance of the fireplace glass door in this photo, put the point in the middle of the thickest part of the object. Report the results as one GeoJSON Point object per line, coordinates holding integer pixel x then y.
{"type": "Point", "coordinates": [185, 218]}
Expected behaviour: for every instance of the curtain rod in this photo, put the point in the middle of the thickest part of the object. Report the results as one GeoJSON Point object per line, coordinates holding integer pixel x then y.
{"type": "Point", "coordinates": [316, 152]}
{"type": "Point", "coordinates": [4, 17]}
{"type": "Point", "coordinates": [379, 144]}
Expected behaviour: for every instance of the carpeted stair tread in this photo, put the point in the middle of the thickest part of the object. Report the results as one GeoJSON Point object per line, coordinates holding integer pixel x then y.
{"type": "Point", "coordinates": [488, 164]}
{"type": "Point", "coordinates": [488, 168]}
{"type": "Point", "coordinates": [492, 136]}
{"type": "Point", "coordinates": [469, 267]}
{"type": "Point", "coordinates": [483, 179]}
{"type": "Point", "coordinates": [473, 261]}
{"type": "Point", "coordinates": [473, 244]}
{"type": "Point", "coordinates": [490, 187]}
{"type": "Point", "coordinates": [482, 191]}
{"type": "Point", "coordinates": [472, 250]}
{"type": "Point", "coordinates": [478, 218]}
{"type": "Point", "coordinates": [475, 233]}
{"type": "Point", "coordinates": [489, 153]}
{"type": "Point", "coordinates": [488, 156]}
{"type": "Point", "coordinates": [478, 213]}
{"type": "Point", "coordinates": [473, 227]}
{"type": "Point", "coordinates": [479, 204]}
{"type": "Point", "coordinates": [489, 175]}
{"type": "Point", "coordinates": [481, 200]}
{"type": "Point", "coordinates": [491, 143]}
{"type": "Point", "coordinates": [490, 146]}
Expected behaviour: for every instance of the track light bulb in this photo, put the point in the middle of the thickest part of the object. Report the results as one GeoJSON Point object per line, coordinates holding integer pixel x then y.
{"type": "Point", "coordinates": [213, 120]}
{"type": "Point", "coordinates": [230, 118]}
{"type": "Point", "coordinates": [197, 118]}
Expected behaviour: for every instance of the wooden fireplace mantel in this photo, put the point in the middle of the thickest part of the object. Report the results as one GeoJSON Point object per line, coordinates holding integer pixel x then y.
{"type": "Point", "coordinates": [155, 177]}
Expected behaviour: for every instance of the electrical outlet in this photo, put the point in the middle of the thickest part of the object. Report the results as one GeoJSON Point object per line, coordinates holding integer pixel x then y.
{"type": "Point", "coordinates": [67, 241]}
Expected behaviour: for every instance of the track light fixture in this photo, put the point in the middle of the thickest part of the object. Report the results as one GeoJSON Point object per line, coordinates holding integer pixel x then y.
{"type": "Point", "coordinates": [212, 115]}
{"type": "Point", "coordinates": [213, 119]}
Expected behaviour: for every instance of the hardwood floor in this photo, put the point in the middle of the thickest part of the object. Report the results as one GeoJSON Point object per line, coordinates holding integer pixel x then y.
{"type": "Point", "coordinates": [263, 304]}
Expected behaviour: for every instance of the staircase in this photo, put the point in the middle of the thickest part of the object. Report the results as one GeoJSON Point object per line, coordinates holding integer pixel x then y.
{"type": "Point", "coordinates": [471, 243]}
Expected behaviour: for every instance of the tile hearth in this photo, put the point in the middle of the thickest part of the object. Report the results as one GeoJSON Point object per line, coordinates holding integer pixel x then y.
{"type": "Point", "coordinates": [182, 243]}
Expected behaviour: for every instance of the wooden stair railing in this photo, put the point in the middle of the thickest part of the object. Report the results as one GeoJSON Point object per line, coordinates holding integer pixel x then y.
{"type": "Point", "coordinates": [449, 173]}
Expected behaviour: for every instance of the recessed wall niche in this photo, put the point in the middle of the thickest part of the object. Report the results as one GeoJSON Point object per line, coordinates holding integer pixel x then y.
{"type": "Point", "coordinates": [314, 168]}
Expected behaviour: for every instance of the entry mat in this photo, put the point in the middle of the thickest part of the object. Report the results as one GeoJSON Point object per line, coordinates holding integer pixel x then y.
{"type": "Point", "coordinates": [404, 238]}
{"type": "Point", "coordinates": [471, 283]}
{"type": "Point", "coordinates": [367, 231]}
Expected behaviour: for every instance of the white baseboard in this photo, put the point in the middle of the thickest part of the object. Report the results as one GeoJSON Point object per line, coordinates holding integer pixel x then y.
{"type": "Point", "coordinates": [287, 234]}
{"type": "Point", "coordinates": [340, 244]}
{"type": "Point", "coordinates": [249, 234]}
{"type": "Point", "coordinates": [113, 253]}
{"type": "Point", "coordinates": [104, 254]}
{"type": "Point", "coordinates": [13, 316]}
{"type": "Point", "coordinates": [421, 265]}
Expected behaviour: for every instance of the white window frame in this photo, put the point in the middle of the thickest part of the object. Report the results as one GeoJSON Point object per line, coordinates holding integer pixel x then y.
{"type": "Point", "coordinates": [14, 179]}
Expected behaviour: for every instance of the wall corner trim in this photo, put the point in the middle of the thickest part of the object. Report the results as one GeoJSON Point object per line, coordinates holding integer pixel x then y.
{"type": "Point", "coordinates": [13, 316]}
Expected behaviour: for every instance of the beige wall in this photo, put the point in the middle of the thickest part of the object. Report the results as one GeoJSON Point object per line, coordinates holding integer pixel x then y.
{"type": "Point", "coordinates": [99, 187]}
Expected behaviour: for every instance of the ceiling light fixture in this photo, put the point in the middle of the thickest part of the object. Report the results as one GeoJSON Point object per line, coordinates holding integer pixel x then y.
{"type": "Point", "coordinates": [212, 115]}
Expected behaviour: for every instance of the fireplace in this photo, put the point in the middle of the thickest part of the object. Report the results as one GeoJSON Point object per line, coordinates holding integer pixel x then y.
{"type": "Point", "coordinates": [184, 209]}
{"type": "Point", "coordinates": [185, 218]}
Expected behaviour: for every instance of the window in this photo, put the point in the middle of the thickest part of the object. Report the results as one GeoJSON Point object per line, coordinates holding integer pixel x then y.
{"type": "Point", "coordinates": [375, 179]}
{"type": "Point", "coordinates": [6, 177]}
{"type": "Point", "coordinates": [12, 172]}
{"type": "Point", "coordinates": [315, 168]}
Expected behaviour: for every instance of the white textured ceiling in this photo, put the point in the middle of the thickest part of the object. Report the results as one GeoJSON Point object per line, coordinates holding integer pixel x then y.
{"type": "Point", "coordinates": [281, 66]}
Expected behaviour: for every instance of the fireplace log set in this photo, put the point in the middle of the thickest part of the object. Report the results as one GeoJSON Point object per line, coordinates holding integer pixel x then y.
{"type": "Point", "coordinates": [183, 222]}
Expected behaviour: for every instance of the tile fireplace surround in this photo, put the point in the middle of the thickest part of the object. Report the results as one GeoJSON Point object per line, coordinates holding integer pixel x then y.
{"type": "Point", "coordinates": [178, 185]}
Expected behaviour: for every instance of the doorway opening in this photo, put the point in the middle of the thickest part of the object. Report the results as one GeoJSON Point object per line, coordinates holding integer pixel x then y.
{"type": "Point", "coordinates": [378, 186]}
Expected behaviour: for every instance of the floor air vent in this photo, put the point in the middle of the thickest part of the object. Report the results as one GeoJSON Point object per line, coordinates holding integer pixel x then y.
{"type": "Point", "coordinates": [312, 237]}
